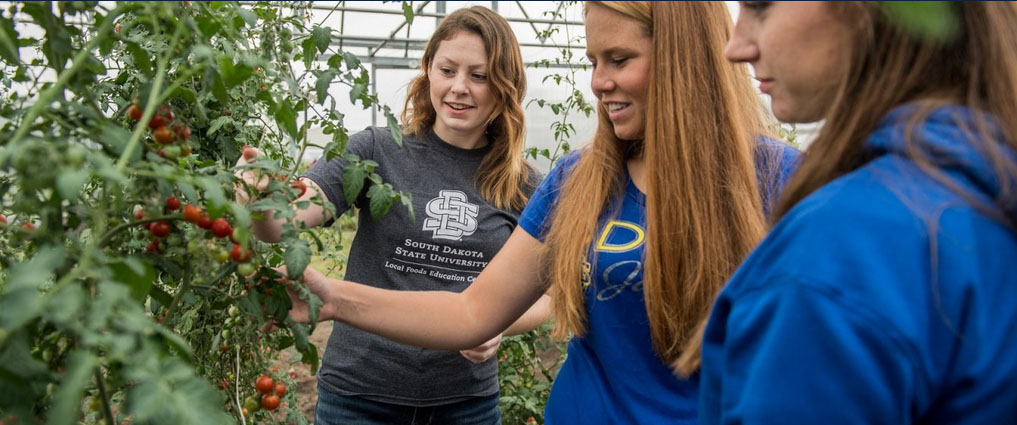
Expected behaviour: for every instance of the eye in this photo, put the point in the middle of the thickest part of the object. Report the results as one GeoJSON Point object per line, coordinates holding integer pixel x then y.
{"type": "Point", "coordinates": [445, 71]}
{"type": "Point", "coordinates": [480, 77]}
{"type": "Point", "coordinates": [756, 7]}
{"type": "Point", "coordinates": [619, 61]}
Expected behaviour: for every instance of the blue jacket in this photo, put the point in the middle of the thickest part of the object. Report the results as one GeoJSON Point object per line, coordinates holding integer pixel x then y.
{"type": "Point", "coordinates": [884, 297]}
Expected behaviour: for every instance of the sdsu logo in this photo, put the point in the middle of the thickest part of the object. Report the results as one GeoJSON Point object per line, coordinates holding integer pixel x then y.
{"type": "Point", "coordinates": [451, 216]}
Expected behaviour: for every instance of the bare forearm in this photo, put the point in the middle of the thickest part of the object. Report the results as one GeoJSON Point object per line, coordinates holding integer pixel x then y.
{"type": "Point", "coordinates": [438, 320]}
{"type": "Point", "coordinates": [537, 314]}
{"type": "Point", "coordinates": [267, 229]}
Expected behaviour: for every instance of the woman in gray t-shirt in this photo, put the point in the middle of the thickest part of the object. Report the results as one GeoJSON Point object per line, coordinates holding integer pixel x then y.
{"type": "Point", "coordinates": [462, 162]}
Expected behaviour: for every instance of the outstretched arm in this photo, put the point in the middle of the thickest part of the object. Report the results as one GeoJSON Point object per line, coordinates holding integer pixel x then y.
{"type": "Point", "coordinates": [440, 320]}
{"type": "Point", "coordinates": [270, 228]}
{"type": "Point", "coordinates": [535, 316]}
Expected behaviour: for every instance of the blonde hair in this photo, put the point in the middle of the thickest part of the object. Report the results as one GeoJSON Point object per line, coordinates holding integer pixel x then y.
{"type": "Point", "coordinates": [891, 67]}
{"type": "Point", "coordinates": [704, 212]}
{"type": "Point", "coordinates": [504, 174]}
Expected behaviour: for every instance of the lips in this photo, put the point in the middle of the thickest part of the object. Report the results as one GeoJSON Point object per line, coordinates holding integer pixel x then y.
{"type": "Point", "coordinates": [765, 84]}
{"type": "Point", "coordinates": [459, 107]}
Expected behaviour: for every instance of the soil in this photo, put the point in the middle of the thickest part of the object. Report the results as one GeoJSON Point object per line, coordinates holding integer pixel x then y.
{"type": "Point", "coordinates": [307, 383]}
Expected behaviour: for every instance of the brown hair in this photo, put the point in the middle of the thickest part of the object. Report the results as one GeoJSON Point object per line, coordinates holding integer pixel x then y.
{"type": "Point", "coordinates": [703, 205]}
{"type": "Point", "coordinates": [891, 67]}
{"type": "Point", "coordinates": [503, 174]}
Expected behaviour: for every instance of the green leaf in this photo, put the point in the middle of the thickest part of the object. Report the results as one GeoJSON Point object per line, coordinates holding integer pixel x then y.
{"type": "Point", "coordinates": [9, 42]}
{"type": "Point", "coordinates": [214, 194]}
{"type": "Point", "coordinates": [351, 60]}
{"type": "Point", "coordinates": [217, 123]}
{"type": "Point", "coordinates": [407, 200]}
{"type": "Point", "coordinates": [408, 12]}
{"type": "Point", "coordinates": [21, 300]}
{"type": "Point", "coordinates": [269, 204]}
{"type": "Point", "coordinates": [322, 85]}
{"type": "Point", "coordinates": [249, 17]}
{"type": "Point", "coordinates": [353, 181]}
{"type": "Point", "coordinates": [297, 257]}
{"type": "Point", "coordinates": [70, 182]}
{"type": "Point", "coordinates": [933, 20]}
{"type": "Point", "coordinates": [322, 38]}
{"type": "Point", "coordinates": [66, 405]}
{"type": "Point", "coordinates": [286, 117]}
{"type": "Point", "coordinates": [393, 127]}
{"type": "Point", "coordinates": [381, 199]}
{"type": "Point", "coordinates": [234, 74]}
{"type": "Point", "coordinates": [137, 274]}
{"type": "Point", "coordinates": [310, 51]}
{"type": "Point", "coordinates": [116, 138]}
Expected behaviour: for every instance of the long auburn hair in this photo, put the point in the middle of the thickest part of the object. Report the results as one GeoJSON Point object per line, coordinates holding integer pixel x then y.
{"type": "Point", "coordinates": [890, 67]}
{"type": "Point", "coordinates": [503, 174]}
{"type": "Point", "coordinates": [703, 204]}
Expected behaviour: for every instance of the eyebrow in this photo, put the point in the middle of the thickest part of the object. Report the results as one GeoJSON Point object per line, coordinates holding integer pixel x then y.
{"type": "Point", "coordinates": [612, 51]}
{"type": "Point", "coordinates": [452, 62]}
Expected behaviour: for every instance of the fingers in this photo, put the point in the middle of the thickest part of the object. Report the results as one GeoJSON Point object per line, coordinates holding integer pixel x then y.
{"type": "Point", "coordinates": [483, 352]}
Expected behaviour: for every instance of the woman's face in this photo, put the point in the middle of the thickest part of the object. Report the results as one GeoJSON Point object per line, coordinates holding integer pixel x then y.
{"type": "Point", "coordinates": [459, 89]}
{"type": "Point", "coordinates": [799, 51]}
{"type": "Point", "coordinates": [620, 50]}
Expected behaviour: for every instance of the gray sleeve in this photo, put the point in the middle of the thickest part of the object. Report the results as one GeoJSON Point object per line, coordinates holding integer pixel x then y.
{"type": "Point", "coordinates": [329, 174]}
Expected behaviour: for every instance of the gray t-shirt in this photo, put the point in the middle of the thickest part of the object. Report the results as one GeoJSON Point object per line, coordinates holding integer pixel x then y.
{"type": "Point", "coordinates": [455, 235]}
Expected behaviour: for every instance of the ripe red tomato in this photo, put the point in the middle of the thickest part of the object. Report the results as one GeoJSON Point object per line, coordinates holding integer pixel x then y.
{"type": "Point", "coordinates": [221, 228]}
{"type": "Point", "coordinates": [172, 203]}
{"type": "Point", "coordinates": [269, 401]}
{"type": "Point", "coordinates": [264, 384]}
{"type": "Point", "coordinates": [299, 185]}
{"type": "Point", "coordinates": [249, 153]}
{"type": "Point", "coordinates": [3, 219]}
{"type": "Point", "coordinates": [225, 385]}
{"type": "Point", "coordinates": [240, 254]}
{"type": "Point", "coordinates": [182, 132]}
{"type": "Point", "coordinates": [191, 213]}
{"type": "Point", "coordinates": [134, 112]}
{"type": "Point", "coordinates": [153, 247]}
{"type": "Point", "coordinates": [163, 135]}
{"type": "Point", "coordinates": [157, 121]}
{"type": "Point", "coordinates": [28, 225]}
{"type": "Point", "coordinates": [280, 389]}
{"type": "Point", "coordinates": [204, 222]}
{"type": "Point", "coordinates": [160, 229]}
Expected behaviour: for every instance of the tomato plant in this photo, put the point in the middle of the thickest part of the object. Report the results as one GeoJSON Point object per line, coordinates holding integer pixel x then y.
{"type": "Point", "coordinates": [113, 302]}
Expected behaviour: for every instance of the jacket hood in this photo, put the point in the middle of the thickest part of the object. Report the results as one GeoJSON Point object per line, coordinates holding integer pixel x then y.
{"type": "Point", "coordinates": [950, 137]}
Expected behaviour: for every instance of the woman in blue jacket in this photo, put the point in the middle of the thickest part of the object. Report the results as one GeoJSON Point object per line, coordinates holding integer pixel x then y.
{"type": "Point", "coordinates": [886, 293]}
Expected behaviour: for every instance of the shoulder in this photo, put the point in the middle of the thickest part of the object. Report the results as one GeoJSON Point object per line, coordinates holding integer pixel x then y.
{"type": "Point", "coordinates": [776, 154]}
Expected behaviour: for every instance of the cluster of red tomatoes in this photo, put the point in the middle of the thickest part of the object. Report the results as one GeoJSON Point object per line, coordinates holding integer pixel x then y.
{"type": "Point", "coordinates": [220, 228]}
{"type": "Point", "coordinates": [165, 131]}
{"type": "Point", "coordinates": [270, 392]}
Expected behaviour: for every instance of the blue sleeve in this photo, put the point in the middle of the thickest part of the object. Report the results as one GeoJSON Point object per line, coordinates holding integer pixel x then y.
{"type": "Point", "coordinates": [775, 162]}
{"type": "Point", "coordinates": [795, 353]}
{"type": "Point", "coordinates": [536, 217]}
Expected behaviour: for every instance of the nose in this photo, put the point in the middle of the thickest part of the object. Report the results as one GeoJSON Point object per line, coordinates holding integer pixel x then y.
{"type": "Point", "coordinates": [459, 86]}
{"type": "Point", "coordinates": [602, 82]}
{"type": "Point", "coordinates": [741, 47]}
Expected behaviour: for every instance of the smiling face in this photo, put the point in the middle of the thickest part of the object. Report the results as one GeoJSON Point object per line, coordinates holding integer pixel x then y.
{"type": "Point", "coordinates": [799, 53]}
{"type": "Point", "coordinates": [459, 90]}
{"type": "Point", "coordinates": [620, 49]}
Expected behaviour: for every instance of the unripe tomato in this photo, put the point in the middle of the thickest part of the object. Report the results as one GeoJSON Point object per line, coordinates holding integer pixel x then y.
{"type": "Point", "coordinates": [221, 228]}
{"type": "Point", "coordinates": [204, 222]}
{"type": "Point", "coordinates": [139, 213]}
{"type": "Point", "coordinates": [269, 401]}
{"type": "Point", "coordinates": [299, 185]}
{"type": "Point", "coordinates": [246, 269]}
{"type": "Point", "coordinates": [160, 229]}
{"type": "Point", "coordinates": [171, 152]}
{"type": "Point", "coordinates": [251, 404]}
{"type": "Point", "coordinates": [153, 247]}
{"type": "Point", "coordinates": [134, 111]}
{"type": "Point", "coordinates": [280, 389]}
{"type": "Point", "coordinates": [163, 135]}
{"type": "Point", "coordinates": [172, 203]}
{"type": "Point", "coordinates": [191, 213]}
{"type": "Point", "coordinates": [233, 311]}
{"type": "Point", "coordinates": [264, 384]}
{"type": "Point", "coordinates": [185, 149]}
{"type": "Point", "coordinates": [222, 255]}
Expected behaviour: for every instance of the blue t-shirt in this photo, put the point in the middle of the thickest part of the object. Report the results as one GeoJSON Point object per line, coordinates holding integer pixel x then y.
{"type": "Point", "coordinates": [884, 297]}
{"type": "Point", "coordinates": [612, 374]}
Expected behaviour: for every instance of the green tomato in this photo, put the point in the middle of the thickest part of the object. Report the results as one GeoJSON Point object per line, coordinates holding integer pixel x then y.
{"type": "Point", "coordinates": [251, 404]}
{"type": "Point", "coordinates": [245, 269]}
{"type": "Point", "coordinates": [233, 311]}
{"type": "Point", "coordinates": [171, 152]}
{"type": "Point", "coordinates": [221, 255]}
